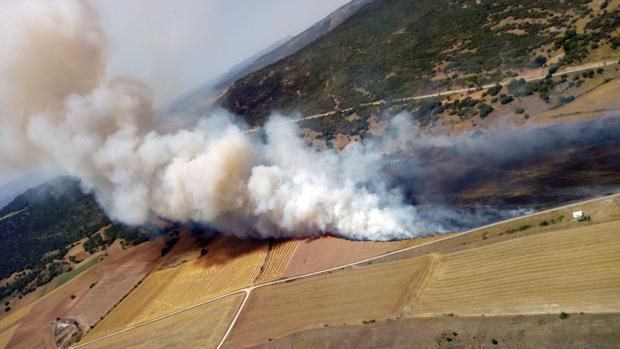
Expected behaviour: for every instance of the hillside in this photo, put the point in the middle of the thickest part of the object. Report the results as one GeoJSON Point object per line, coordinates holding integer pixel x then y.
{"type": "Point", "coordinates": [39, 228]}
{"type": "Point", "coordinates": [398, 48]}
{"type": "Point", "coordinates": [201, 98]}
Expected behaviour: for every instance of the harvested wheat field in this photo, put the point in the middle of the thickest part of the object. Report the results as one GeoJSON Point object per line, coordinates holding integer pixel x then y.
{"type": "Point", "coordinates": [35, 330]}
{"type": "Point", "coordinates": [6, 335]}
{"type": "Point", "coordinates": [184, 250]}
{"type": "Point", "coordinates": [277, 259]}
{"type": "Point", "coordinates": [574, 270]}
{"type": "Point", "coordinates": [199, 327]}
{"type": "Point", "coordinates": [9, 323]}
{"type": "Point", "coordinates": [229, 265]}
{"type": "Point", "coordinates": [121, 271]}
{"type": "Point", "coordinates": [350, 296]}
{"type": "Point", "coordinates": [328, 252]}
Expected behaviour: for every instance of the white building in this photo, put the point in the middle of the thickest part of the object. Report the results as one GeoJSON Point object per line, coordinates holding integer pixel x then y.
{"type": "Point", "coordinates": [578, 214]}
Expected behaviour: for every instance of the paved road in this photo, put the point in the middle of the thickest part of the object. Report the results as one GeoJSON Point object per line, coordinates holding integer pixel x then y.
{"type": "Point", "coordinates": [248, 290]}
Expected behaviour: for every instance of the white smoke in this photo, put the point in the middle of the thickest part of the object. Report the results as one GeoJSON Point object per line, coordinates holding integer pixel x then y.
{"type": "Point", "coordinates": [58, 108]}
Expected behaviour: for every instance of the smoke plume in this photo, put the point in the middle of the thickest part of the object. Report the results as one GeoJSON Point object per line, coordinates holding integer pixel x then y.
{"type": "Point", "coordinates": [60, 109]}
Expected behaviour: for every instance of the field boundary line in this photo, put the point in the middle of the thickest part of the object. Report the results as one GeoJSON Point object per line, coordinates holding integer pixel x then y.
{"type": "Point", "coordinates": [249, 289]}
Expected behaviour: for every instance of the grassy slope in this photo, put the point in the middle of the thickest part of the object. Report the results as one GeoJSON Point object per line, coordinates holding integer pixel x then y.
{"type": "Point", "coordinates": [396, 48]}
{"type": "Point", "coordinates": [61, 279]}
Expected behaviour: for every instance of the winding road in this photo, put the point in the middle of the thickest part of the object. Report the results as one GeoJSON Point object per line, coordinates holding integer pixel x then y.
{"type": "Point", "coordinates": [535, 77]}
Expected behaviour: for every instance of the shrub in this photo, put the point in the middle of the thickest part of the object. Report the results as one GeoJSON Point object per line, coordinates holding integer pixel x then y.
{"type": "Point", "coordinates": [564, 316]}
{"type": "Point", "coordinates": [485, 110]}
{"type": "Point", "coordinates": [493, 91]}
{"type": "Point", "coordinates": [520, 110]}
{"type": "Point", "coordinates": [565, 100]}
{"type": "Point", "coordinates": [553, 69]}
{"type": "Point", "coordinates": [506, 99]}
{"type": "Point", "coordinates": [539, 61]}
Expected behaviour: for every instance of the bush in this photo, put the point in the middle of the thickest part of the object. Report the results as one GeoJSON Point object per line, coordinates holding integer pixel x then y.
{"type": "Point", "coordinates": [520, 110]}
{"type": "Point", "coordinates": [493, 91]}
{"type": "Point", "coordinates": [564, 316]}
{"type": "Point", "coordinates": [506, 99]}
{"type": "Point", "coordinates": [553, 69]}
{"type": "Point", "coordinates": [539, 61]}
{"type": "Point", "coordinates": [485, 110]}
{"type": "Point", "coordinates": [565, 100]}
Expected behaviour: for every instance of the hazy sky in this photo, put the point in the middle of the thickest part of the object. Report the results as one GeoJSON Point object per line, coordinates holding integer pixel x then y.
{"type": "Point", "coordinates": [177, 45]}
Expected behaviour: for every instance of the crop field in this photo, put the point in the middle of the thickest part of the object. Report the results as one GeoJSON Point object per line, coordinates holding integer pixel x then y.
{"type": "Point", "coordinates": [328, 252]}
{"type": "Point", "coordinates": [120, 272]}
{"type": "Point", "coordinates": [14, 317]}
{"type": "Point", "coordinates": [574, 270]}
{"type": "Point", "coordinates": [351, 296]}
{"type": "Point", "coordinates": [200, 327]}
{"type": "Point", "coordinates": [61, 279]}
{"type": "Point", "coordinates": [35, 327]}
{"type": "Point", "coordinates": [6, 335]}
{"type": "Point", "coordinates": [229, 265]}
{"type": "Point", "coordinates": [277, 260]}
{"type": "Point", "coordinates": [577, 331]}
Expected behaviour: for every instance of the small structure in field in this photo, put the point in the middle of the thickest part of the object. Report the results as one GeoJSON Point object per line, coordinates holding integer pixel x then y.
{"type": "Point", "coordinates": [580, 216]}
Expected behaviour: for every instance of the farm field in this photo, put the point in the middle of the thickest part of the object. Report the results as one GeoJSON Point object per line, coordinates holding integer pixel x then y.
{"type": "Point", "coordinates": [36, 318]}
{"type": "Point", "coordinates": [5, 336]}
{"type": "Point", "coordinates": [200, 327]}
{"type": "Point", "coordinates": [229, 265]}
{"type": "Point", "coordinates": [574, 270]}
{"type": "Point", "coordinates": [327, 252]}
{"type": "Point", "coordinates": [277, 259]}
{"type": "Point", "coordinates": [576, 331]}
{"type": "Point", "coordinates": [540, 264]}
{"type": "Point", "coordinates": [350, 296]}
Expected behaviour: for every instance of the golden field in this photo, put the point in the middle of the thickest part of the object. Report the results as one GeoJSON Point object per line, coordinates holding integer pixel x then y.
{"type": "Point", "coordinates": [571, 270]}
{"type": "Point", "coordinates": [199, 327]}
{"type": "Point", "coordinates": [349, 296]}
{"type": "Point", "coordinates": [277, 260]}
{"type": "Point", "coordinates": [229, 265]}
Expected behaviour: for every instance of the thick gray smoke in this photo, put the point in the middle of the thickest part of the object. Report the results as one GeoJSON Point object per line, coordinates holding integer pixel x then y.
{"type": "Point", "coordinates": [60, 109]}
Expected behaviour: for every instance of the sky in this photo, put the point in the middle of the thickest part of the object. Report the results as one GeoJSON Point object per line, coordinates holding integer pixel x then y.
{"type": "Point", "coordinates": [178, 45]}
{"type": "Point", "coordinates": [175, 46]}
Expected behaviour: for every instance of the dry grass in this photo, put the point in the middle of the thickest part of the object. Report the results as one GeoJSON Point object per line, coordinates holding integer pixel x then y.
{"type": "Point", "coordinates": [15, 316]}
{"type": "Point", "coordinates": [350, 296]}
{"type": "Point", "coordinates": [200, 327]}
{"type": "Point", "coordinates": [230, 264]}
{"type": "Point", "coordinates": [277, 260]}
{"type": "Point", "coordinates": [571, 270]}
{"type": "Point", "coordinates": [6, 335]}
